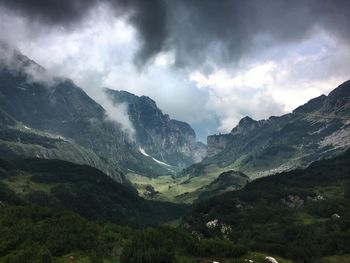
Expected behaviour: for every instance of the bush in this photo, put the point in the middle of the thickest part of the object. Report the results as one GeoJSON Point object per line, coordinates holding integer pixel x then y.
{"type": "Point", "coordinates": [33, 253]}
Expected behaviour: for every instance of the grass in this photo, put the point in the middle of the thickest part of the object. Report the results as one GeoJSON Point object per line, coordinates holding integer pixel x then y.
{"type": "Point", "coordinates": [186, 189]}
{"type": "Point", "coordinates": [79, 258]}
{"type": "Point", "coordinates": [307, 219]}
{"type": "Point", "coordinates": [180, 190]}
{"type": "Point", "coordinates": [21, 184]}
{"type": "Point", "coordinates": [336, 259]}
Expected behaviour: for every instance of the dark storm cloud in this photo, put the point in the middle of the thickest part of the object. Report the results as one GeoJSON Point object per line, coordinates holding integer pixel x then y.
{"type": "Point", "coordinates": [196, 30]}
{"type": "Point", "coordinates": [227, 30]}
{"type": "Point", "coordinates": [54, 12]}
{"type": "Point", "coordinates": [148, 16]}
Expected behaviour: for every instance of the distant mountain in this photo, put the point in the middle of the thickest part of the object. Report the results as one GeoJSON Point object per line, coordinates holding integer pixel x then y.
{"type": "Point", "coordinates": [319, 129]}
{"type": "Point", "coordinates": [170, 141]}
{"type": "Point", "coordinates": [60, 108]}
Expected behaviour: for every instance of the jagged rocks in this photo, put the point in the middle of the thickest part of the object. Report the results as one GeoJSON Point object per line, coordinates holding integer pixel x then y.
{"type": "Point", "coordinates": [216, 225]}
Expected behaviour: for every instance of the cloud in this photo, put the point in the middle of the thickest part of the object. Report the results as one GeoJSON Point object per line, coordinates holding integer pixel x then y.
{"type": "Point", "coordinates": [228, 31]}
{"type": "Point", "coordinates": [11, 59]}
{"type": "Point", "coordinates": [148, 17]}
{"type": "Point", "coordinates": [292, 75]}
{"type": "Point", "coordinates": [117, 112]}
{"type": "Point", "coordinates": [200, 30]}
{"type": "Point", "coordinates": [206, 62]}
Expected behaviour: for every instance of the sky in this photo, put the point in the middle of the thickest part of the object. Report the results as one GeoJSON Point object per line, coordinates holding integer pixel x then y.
{"type": "Point", "coordinates": [205, 62]}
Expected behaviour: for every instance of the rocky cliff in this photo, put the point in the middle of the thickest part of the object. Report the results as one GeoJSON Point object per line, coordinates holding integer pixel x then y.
{"type": "Point", "coordinates": [170, 141]}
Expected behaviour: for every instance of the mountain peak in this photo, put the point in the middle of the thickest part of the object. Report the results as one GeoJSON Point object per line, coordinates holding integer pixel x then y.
{"type": "Point", "coordinates": [338, 101]}
{"type": "Point", "coordinates": [245, 125]}
{"type": "Point", "coordinates": [246, 120]}
{"type": "Point", "coordinates": [312, 105]}
{"type": "Point", "coordinates": [343, 90]}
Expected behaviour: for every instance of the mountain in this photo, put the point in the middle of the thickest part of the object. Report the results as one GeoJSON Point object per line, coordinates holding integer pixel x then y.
{"type": "Point", "coordinates": [302, 215]}
{"type": "Point", "coordinates": [30, 96]}
{"type": "Point", "coordinates": [318, 129]}
{"type": "Point", "coordinates": [170, 141]}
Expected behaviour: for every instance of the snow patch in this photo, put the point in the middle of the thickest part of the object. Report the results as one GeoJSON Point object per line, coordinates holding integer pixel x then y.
{"type": "Point", "coordinates": [154, 159]}
{"type": "Point", "coordinates": [21, 88]}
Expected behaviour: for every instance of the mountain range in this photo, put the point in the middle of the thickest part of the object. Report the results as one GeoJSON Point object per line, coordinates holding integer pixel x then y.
{"type": "Point", "coordinates": [35, 104]}
{"type": "Point", "coordinates": [75, 186]}
{"type": "Point", "coordinates": [318, 129]}
{"type": "Point", "coordinates": [49, 117]}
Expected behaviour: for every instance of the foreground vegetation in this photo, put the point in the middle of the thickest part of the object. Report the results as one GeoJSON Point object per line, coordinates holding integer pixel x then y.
{"type": "Point", "coordinates": [33, 234]}
{"type": "Point", "coordinates": [54, 211]}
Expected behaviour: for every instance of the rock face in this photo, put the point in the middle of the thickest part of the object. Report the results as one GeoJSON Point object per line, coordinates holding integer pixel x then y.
{"type": "Point", "coordinates": [59, 107]}
{"type": "Point", "coordinates": [168, 140]}
{"type": "Point", "coordinates": [318, 129]}
{"type": "Point", "coordinates": [216, 143]}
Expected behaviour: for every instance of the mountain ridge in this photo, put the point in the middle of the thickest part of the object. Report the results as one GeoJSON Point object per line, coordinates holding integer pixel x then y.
{"type": "Point", "coordinates": [318, 129]}
{"type": "Point", "coordinates": [59, 107]}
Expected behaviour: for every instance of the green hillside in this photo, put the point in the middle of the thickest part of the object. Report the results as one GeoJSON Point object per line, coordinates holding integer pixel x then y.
{"type": "Point", "coordinates": [85, 190]}
{"type": "Point", "coordinates": [302, 214]}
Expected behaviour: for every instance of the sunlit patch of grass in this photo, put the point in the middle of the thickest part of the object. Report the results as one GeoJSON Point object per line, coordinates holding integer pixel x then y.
{"type": "Point", "coordinates": [182, 189]}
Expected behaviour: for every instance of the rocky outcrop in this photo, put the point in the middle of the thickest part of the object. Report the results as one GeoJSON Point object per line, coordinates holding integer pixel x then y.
{"type": "Point", "coordinates": [270, 259]}
{"type": "Point", "coordinates": [246, 125]}
{"type": "Point", "coordinates": [216, 143]}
